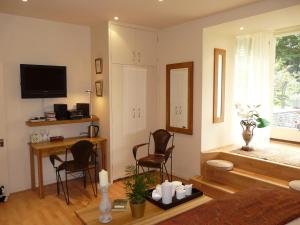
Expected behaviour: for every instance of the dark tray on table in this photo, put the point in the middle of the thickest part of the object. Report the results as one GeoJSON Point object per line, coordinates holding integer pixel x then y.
{"type": "Point", "coordinates": [175, 202]}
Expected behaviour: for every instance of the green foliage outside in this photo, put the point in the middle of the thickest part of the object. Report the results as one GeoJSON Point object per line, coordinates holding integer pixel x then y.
{"type": "Point", "coordinates": [287, 71]}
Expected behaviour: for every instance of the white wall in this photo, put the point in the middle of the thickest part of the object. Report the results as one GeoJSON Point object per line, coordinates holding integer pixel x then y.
{"type": "Point", "coordinates": [3, 150]}
{"type": "Point", "coordinates": [185, 42]}
{"type": "Point", "coordinates": [34, 41]}
{"type": "Point", "coordinates": [215, 135]}
{"type": "Point", "coordinates": [99, 49]}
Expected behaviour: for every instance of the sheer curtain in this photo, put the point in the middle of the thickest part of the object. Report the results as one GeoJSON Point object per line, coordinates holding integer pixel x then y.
{"type": "Point", "coordinates": [254, 63]}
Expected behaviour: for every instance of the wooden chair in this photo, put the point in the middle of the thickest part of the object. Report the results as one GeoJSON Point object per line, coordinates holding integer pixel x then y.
{"type": "Point", "coordinates": [161, 154]}
{"type": "Point", "coordinates": [84, 159]}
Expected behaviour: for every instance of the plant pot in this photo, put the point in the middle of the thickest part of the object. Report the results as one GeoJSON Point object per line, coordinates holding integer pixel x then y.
{"type": "Point", "coordinates": [137, 209]}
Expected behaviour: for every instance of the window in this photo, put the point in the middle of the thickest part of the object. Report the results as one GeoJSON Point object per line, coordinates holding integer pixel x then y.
{"type": "Point", "coordinates": [286, 98]}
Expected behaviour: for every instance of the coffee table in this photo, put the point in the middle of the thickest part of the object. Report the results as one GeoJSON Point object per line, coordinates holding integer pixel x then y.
{"type": "Point", "coordinates": [153, 214]}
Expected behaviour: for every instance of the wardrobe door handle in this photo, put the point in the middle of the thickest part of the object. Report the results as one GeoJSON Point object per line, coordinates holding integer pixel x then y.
{"type": "Point", "coordinates": [133, 113]}
{"type": "Point", "coordinates": [139, 112]}
{"type": "Point", "coordinates": [133, 56]}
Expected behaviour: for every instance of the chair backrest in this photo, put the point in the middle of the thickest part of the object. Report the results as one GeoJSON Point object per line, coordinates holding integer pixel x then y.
{"type": "Point", "coordinates": [161, 139]}
{"type": "Point", "coordinates": [82, 151]}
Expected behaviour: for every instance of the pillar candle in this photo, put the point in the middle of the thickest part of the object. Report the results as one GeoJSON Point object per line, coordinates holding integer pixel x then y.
{"type": "Point", "coordinates": [103, 178]}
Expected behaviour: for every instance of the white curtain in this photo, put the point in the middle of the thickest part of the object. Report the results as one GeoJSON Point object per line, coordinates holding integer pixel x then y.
{"type": "Point", "coordinates": [254, 62]}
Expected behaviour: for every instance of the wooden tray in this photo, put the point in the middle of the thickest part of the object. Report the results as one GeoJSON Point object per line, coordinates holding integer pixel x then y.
{"type": "Point", "coordinates": [175, 202]}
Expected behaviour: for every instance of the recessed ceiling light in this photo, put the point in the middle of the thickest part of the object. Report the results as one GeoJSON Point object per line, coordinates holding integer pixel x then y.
{"type": "Point", "coordinates": [242, 28]}
{"type": "Point", "coordinates": [24, 0]}
{"type": "Point", "coordinates": [160, 0]}
{"type": "Point", "coordinates": [116, 18]}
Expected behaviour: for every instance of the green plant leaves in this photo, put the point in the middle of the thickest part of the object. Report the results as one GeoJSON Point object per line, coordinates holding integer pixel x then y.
{"type": "Point", "coordinates": [261, 122]}
{"type": "Point", "coordinates": [137, 185]}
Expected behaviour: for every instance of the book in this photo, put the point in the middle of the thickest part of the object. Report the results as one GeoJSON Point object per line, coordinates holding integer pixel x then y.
{"type": "Point", "coordinates": [120, 205]}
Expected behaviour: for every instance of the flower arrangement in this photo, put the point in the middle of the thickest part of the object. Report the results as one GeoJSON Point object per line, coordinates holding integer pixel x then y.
{"type": "Point", "coordinates": [250, 116]}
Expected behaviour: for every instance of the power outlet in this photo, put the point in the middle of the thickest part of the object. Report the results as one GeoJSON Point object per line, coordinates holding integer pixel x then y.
{"type": "Point", "coordinates": [1, 143]}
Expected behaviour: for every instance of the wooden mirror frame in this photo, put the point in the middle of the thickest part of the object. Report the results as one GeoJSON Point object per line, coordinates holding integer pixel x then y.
{"type": "Point", "coordinates": [216, 118]}
{"type": "Point", "coordinates": [190, 67]}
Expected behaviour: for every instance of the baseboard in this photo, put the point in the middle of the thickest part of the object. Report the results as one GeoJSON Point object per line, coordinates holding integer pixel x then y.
{"type": "Point", "coordinates": [285, 141]}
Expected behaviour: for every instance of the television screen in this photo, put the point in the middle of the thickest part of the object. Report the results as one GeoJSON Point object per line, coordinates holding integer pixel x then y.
{"type": "Point", "coordinates": [41, 81]}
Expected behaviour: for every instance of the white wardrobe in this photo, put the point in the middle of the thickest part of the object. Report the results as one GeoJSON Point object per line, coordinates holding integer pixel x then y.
{"type": "Point", "coordinates": [133, 92]}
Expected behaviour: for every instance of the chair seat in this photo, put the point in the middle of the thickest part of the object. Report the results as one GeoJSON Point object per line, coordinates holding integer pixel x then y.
{"type": "Point", "coordinates": [152, 160]}
{"type": "Point", "coordinates": [70, 166]}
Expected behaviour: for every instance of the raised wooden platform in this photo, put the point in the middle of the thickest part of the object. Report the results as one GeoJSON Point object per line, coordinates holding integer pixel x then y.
{"type": "Point", "coordinates": [247, 172]}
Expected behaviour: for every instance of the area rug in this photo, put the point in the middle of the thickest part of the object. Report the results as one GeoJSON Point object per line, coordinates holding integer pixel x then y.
{"type": "Point", "coordinates": [275, 154]}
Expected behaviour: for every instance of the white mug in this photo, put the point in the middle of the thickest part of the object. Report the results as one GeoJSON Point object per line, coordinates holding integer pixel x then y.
{"type": "Point", "coordinates": [188, 189]}
{"type": "Point", "coordinates": [180, 193]}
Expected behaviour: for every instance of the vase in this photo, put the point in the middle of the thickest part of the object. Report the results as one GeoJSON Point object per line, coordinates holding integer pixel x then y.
{"type": "Point", "coordinates": [137, 209]}
{"type": "Point", "coordinates": [247, 135]}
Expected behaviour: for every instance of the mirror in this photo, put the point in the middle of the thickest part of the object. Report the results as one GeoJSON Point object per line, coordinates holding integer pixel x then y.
{"type": "Point", "coordinates": [180, 97]}
{"type": "Point", "coordinates": [219, 84]}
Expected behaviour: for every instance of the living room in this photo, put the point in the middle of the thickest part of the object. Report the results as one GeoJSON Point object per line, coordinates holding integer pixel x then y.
{"type": "Point", "coordinates": [91, 47]}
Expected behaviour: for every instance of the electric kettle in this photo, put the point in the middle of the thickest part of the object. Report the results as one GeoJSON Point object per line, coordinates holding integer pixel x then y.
{"type": "Point", "coordinates": [93, 131]}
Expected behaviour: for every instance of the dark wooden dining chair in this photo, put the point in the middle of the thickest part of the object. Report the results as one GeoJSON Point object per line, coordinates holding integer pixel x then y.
{"type": "Point", "coordinates": [162, 153]}
{"type": "Point", "coordinates": [84, 159]}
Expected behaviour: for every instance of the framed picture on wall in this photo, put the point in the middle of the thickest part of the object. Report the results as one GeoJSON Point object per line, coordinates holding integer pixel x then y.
{"type": "Point", "coordinates": [98, 65]}
{"type": "Point", "coordinates": [99, 88]}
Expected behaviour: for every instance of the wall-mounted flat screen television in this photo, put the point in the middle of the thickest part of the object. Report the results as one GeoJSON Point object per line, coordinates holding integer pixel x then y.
{"type": "Point", "coordinates": [41, 81]}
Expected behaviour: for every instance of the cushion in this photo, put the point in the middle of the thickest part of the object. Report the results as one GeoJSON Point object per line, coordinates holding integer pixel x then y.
{"type": "Point", "coordinates": [220, 164]}
{"type": "Point", "coordinates": [295, 185]}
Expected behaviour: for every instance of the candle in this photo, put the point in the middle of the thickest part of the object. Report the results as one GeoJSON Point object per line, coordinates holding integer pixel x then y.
{"type": "Point", "coordinates": [103, 178]}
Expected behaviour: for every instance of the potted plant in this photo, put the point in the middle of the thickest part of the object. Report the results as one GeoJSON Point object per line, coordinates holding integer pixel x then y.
{"type": "Point", "coordinates": [251, 119]}
{"type": "Point", "coordinates": [136, 187]}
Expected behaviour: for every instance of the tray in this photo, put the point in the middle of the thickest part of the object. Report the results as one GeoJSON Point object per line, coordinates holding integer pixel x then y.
{"type": "Point", "coordinates": [175, 202]}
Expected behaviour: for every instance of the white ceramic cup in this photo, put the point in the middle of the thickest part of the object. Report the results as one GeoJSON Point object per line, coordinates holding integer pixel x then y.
{"type": "Point", "coordinates": [175, 184]}
{"type": "Point", "coordinates": [180, 193]}
{"type": "Point", "coordinates": [155, 195]}
{"type": "Point", "coordinates": [188, 189]}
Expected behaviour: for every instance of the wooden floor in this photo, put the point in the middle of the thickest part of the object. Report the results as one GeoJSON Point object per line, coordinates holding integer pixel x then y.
{"type": "Point", "coordinates": [26, 208]}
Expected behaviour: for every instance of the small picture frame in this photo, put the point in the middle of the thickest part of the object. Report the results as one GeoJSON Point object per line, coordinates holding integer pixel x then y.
{"type": "Point", "coordinates": [99, 88]}
{"type": "Point", "coordinates": [98, 65]}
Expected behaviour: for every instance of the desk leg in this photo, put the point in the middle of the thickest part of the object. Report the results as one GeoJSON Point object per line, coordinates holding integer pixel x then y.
{"type": "Point", "coordinates": [40, 172]}
{"type": "Point", "coordinates": [103, 155]}
{"type": "Point", "coordinates": [32, 169]}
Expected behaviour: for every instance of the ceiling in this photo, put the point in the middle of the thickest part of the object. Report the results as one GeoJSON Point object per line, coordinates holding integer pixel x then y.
{"type": "Point", "coordinates": [150, 13]}
{"type": "Point", "coordinates": [276, 21]}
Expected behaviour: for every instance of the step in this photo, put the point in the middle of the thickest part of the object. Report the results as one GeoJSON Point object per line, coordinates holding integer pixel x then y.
{"type": "Point", "coordinates": [241, 179]}
{"type": "Point", "coordinates": [260, 166]}
{"type": "Point", "coordinates": [211, 188]}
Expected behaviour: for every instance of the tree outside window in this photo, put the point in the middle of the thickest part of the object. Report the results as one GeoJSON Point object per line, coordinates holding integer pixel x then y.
{"type": "Point", "coordinates": [286, 112]}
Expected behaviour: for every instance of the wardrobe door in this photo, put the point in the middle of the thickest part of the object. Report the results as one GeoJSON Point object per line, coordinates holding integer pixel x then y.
{"type": "Point", "coordinates": [146, 47]}
{"type": "Point", "coordinates": [140, 97]}
{"type": "Point", "coordinates": [130, 107]}
{"type": "Point", "coordinates": [122, 137]}
{"type": "Point", "coordinates": [122, 45]}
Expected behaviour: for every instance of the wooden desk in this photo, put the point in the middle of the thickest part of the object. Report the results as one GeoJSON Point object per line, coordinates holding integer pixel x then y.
{"type": "Point", "coordinates": [153, 214]}
{"type": "Point", "coordinates": [47, 148]}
